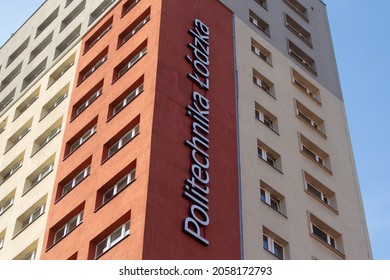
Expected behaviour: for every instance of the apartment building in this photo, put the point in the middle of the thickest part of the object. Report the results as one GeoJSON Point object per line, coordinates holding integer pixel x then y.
{"type": "Point", "coordinates": [179, 130]}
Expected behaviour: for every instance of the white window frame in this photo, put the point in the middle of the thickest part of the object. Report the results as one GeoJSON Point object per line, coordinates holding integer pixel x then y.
{"type": "Point", "coordinates": [95, 67]}
{"type": "Point", "coordinates": [312, 154]}
{"type": "Point", "coordinates": [6, 205]}
{"type": "Point", "coordinates": [132, 61]}
{"type": "Point", "coordinates": [307, 119]}
{"type": "Point", "coordinates": [263, 85]}
{"type": "Point", "coordinates": [270, 199]}
{"type": "Point", "coordinates": [109, 242]}
{"type": "Point", "coordinates": [45, 171]}
{"type": "Point", "coordinates": [76, 180]}
{"type": "Point", "coordinates": [132, 5]}
{"type": "Point", "coordinates": [135, 29]}
{"type": "Point", "coordinates": [88, 134]}
{"type": "Point", "coordinates": [1, 242]}
{"type": "Point", "coordinates": [119, 186]}
{"type": "Point", "coordinates": [89, 101]}
{"type": "Point", "coordinates": [33, 216]}
{"type": "Point", "coordinates": [317, 193]}
{"type": "Point", "coordinates": [56, 103]}
{"type": "Point", "coordinates": [30, 256]}
{"type": "Point", "coordinates": [12, 171]}
{"type": "Point", "coordinates": [49, 137]}
{"type": "Point", "coordinates": [68, 227]}
{"type": "Point", "coordinates": [123, 141]}
{"type": "Point", "coordinates": [330, 240]}
{"type": "Point", "coordinates": [266, 156]}
{"type": "Point", "coordinates": [269, 245]}
{"type": "Point", "coordinates": [130, 97]}
{"type": "Point", "coordinates": [264, 119]}
{"type": "Point", "coordinates": [104, 32]}
{"type": "Point", "coordinates": [259, 53]}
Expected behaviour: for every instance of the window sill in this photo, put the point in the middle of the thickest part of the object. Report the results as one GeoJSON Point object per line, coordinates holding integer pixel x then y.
{"type": "Point", "coordinates": [97, 257]}
{"type": "Point", "coordinates": [271, 165]}
{"type": "Point", "coordinates": [102, 205]}
{"type": "Point", "coordinates": [272, 254]}
{"type": "Point", "coordinates": [17, 234]}
{"type": "Point", "coordinates": [313, 128]}
{"type": "Point", "coordinates": [334, 250]}
{"type": "Point", "coordinates": [58, 241]}
{"type": "Point", "coordinates": [334, 210]}
{"type": "Point", "coordinates": [108, 157]}
{"type": "Point", "coordinates": [326, 169]}
{"type": "Point", "coordinates": [274, 209]}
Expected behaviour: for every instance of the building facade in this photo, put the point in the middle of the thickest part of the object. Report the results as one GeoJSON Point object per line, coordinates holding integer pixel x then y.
{"type": "Point", "coordinates": [176, 130]}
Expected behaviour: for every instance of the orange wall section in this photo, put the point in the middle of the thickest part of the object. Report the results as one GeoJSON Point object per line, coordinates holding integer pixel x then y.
{"type": "Point", "coordinates": [170, 158]}
{"type": "Point", "coordinates": [131, 202]}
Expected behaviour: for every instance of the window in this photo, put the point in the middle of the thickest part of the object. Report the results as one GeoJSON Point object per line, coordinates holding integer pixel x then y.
{"type": "Point", "coordinates": [47, 136]}
{"type": "Point", "coordinates": [259, 23]}
{"type": "Point", "coordinates": [29, 253]}
{"type": "Point", "coordinates": [34, 74]}
{"type": "Point", "coordinates": [123, 140]}
{"type": "Point", "coordinates": [2, 237]}
{"type": "Point", "coordinates": [93, 66]}
{"type": "Point", "coordinates": [7, 202]}
{"type": "Point", "coordinates": [83, 139]}
{"type": "Point", "coordinates": [88, 102]}
{"type": "Point", "coordinates": [2, 125]}
{"type": "Point", "coordinates": [302, 57]}
{"type": "Point", "coordinates": [17, 52]}
{"type": "Point", "coordinates": [262, 3]}
{"type": "Point", "coordinates": [298, 8]}
{"type": "Point", "coordinates": [72, 15]}
{"type": "Point", "coordinates": [33, 216]}
{"type": "Point", "coordinates": [68, 2]}
{"type": "Point", "coordinates": [7, 100]}
{"type": "Point", "coordinates": [67, 41]}
{"type": "Point", "coordinates": [103, 30]}
{"type": "Point", "coordinates": [47, 22]}
{"type": "Point", "coordinates": [261, 51]}
{"type": "Point", "coordinates": [263, 83]}
{"type": "Point", "coordinates": [55, 101]}
{"type": "Point", "coordinates": [11, 76]}
{"type": "Point", "coordinates": [130, 4]}
{"type": "Point", "coordinates": [26, 103]}
{"type": "Point", "coordinates": [314, 153]}
{"type": "Point", "coordinates": [268, 155]}
{"type": "Point", "coordinates": [37, 176]}
{"type": "Point", "coordinates": [134, 27]}
{"type": "Point", "coordinates": [30, 256]}
{"type": "Point", "coordinates": [85, 101]}
{"type": "Point", "coordinates": [129, 62]}
{"type": "Point", "coordinates": [309, 118]}
{"type": "Point", "coordinates": [114, 238]}
{"type": "Point", "coordinates": [320, 192]}
{"type": "Point", "coordinates": [45, 42]}
{"type": "Point", "coordinates": [68, 227]}
{"type": "Point", "coordinates": [100, 10]}
{"type": "Point", "coordinates": [323, 233]}
{"type": "Point", "coordinates": [298, 30]}
{"type": "Point", "coordinates": [18, 135]}
{"type": "Point", "coordinates": [126, 98]}
{"type": "Point", "coordinates": [61, 70]}
{"type": "Point", "coordinates": [119, 186]}
{"type": "Point", "coordinates": [11, 168]}
{"type": "Point", "coordinates": [306, 87]}
{"type": "Point", "coordinates": [274, 244]}
{"type": "Point", "coordinates": [76, 180]}
{"type": "Point", "coordinates": [266, 117]}
{"type": "Point", "coordinates": [272, 198]}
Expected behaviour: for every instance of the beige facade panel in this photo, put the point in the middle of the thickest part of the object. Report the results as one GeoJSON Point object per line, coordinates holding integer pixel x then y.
{"type": "Point", "coordinates": [29, 148]}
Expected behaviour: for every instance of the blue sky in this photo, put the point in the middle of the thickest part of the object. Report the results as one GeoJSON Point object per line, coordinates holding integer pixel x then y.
{"type": "Point", "coordinates": [363, 57]}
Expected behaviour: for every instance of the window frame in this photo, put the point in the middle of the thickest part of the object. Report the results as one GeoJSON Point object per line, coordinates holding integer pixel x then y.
{"type": "Point", "coordinates": [67, 228]}
{"type": "Point", "coordinates": [270, 247]}
{"type": "Point", "coordinates": [109, 243]}
{"type": "Point", "coordinates": [75, 181]}
{"type": "Point", "coordinates": [130, 178]}
{"type": "Point", "coordinates": [133, 132]}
